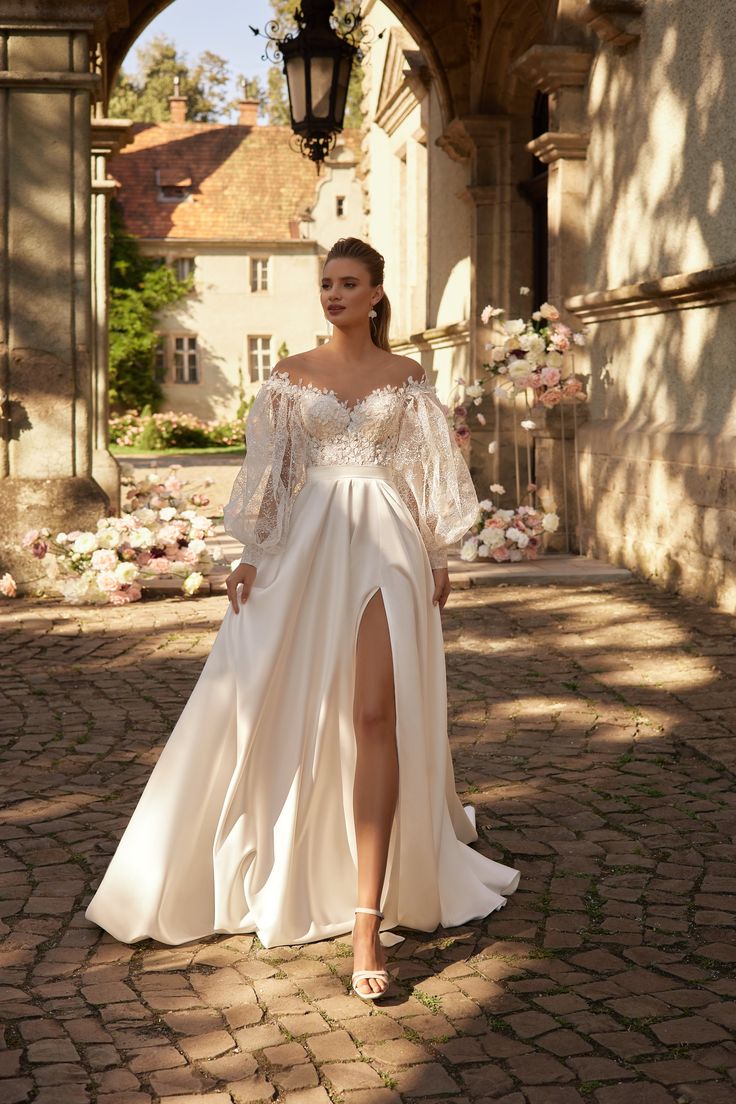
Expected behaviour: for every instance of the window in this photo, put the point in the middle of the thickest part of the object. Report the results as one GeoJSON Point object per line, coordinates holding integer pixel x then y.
{"type": "Point", "coordinates": [259, 274]}
{"type": "Point", "coordinates": [259, 357]}
{"type": "Point", "coordinates": [186, 368]}
{"type": "Point", "coordinates": [184, 267]}
{"type": "Point", "coordinates": [176, 358]}
{"type": "Point", "coordinates": [340, 206]}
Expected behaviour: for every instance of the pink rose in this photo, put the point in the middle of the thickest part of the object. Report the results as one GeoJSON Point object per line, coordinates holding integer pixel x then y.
{"type": "Point", "coordinates": [500, 555]}
{"type": "Point", "coordinates": [103, 559]}
{"type": "Point", "coordinates": [126, 594]}
{"type": "Point", "coordinates": [39, 548]}
{"type": "Point", "coordinates": [30, 538]}
{"type": "Point", "coordinates": [143, 558]}
{"type": "Point", "coordinates": [572, 386]}
{"type": "Point", "coordinates": [551, 398]}
{"type": "Point", "coordinates": [107, 582]}
{"type": "Point", "coordinates": [160, 565]}
{"type": "Point", "coordinates": [550, 376]}
{"type": "Point", "coordinates": [561, 343]}
{"type": "Point", "coordinates": [8, 588]}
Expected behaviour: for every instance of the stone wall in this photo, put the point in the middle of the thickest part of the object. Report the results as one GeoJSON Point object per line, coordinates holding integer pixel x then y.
{"type": "Point", "coordinates": [657, 461]}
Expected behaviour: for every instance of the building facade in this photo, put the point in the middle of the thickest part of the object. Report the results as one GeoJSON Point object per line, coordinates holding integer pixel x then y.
{"type": "Point", "coordinates": [233, 207]}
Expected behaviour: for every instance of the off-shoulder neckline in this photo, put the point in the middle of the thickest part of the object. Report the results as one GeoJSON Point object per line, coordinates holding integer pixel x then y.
{"type": "Point", "coordinates": [309, 386]}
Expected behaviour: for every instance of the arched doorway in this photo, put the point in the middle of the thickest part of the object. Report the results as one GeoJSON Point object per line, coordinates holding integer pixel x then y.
{"type": "Point", "coordinates": [55, 75]}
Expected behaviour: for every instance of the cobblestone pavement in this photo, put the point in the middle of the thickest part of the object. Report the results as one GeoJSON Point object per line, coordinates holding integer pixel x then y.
{"type": "Point", "coordinates": [592, 729]}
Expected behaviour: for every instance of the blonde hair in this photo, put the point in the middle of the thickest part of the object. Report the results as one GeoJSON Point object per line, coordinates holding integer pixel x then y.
{"type": "Point", "coordinates": [358, 250]}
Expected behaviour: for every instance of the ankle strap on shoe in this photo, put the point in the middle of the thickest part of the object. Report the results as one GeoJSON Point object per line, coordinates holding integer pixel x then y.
{"type": "Point", "coordinates": [373, 912]}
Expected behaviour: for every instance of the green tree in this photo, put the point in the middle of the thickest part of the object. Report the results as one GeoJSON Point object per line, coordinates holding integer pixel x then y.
{"type": "Point", "coordinates": [144, 96]}
{"type": "Point", "coordinates": [139, 287]}
{"type": "Point", "coordinates": [277, 109]}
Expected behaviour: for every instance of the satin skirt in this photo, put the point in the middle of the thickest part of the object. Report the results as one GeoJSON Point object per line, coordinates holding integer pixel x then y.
{"type": "Point", "coordinates": [246, 822]}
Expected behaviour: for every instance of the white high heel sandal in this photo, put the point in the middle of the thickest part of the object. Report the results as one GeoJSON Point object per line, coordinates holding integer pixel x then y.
{"type": "Point", "coordinates": [381, 975]}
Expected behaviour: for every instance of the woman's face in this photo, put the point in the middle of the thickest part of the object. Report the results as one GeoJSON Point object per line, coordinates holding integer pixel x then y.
{"type": "Point", "coordinates": [346, 293]}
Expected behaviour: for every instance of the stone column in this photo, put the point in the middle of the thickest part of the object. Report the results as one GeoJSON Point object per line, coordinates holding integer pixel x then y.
{"type": "Point", "coordinates": [108, 136]}
{"type": "Point", "coordinates": [46, 88]}
{"type": "Point", "coordinates": [561, 71]}
{"type": "Point", "coordinates": [484, 141]}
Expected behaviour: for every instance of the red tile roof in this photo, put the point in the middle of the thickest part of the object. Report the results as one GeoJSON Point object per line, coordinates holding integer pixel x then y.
{"type": "Point", "coordinates": [246, 182]}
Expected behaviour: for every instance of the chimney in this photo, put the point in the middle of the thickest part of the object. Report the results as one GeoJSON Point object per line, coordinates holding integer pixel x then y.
{"type": "Point", "coordinates": [247, 108]}
{"type": "Point", "coordinates": [248, 113]}
{"type": "Point", "coordinates": [177, 105]}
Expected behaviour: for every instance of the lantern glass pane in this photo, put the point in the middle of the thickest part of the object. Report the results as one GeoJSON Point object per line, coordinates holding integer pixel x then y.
{"type": "Point", "coordinates": [343, 79]}
{"type": "Point", "coordinates": [321, 73]}
{"type": "Point", "coordinates": [295, 76]}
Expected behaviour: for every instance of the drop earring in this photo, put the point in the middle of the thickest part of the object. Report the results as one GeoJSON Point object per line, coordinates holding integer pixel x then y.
{"type": "Point", "coordinates": [372, 314]}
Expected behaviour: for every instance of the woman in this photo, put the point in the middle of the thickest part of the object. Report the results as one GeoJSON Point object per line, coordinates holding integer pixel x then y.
{"type": "Point", "coordinates": [310, 770]}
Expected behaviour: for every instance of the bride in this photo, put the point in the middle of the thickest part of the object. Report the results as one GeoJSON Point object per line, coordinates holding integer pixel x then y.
{"type": "Point", "coordinates": [307, 788]}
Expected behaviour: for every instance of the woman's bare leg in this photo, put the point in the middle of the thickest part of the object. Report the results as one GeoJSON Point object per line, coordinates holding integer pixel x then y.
{"type": "Point", "coordinates": [376, 779]}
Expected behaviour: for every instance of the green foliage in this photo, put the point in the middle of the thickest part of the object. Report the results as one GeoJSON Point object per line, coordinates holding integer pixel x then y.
{"type": "Point", "coordinates": [139, 288]}
{"type": "Point", "coordinates": [144, 96]}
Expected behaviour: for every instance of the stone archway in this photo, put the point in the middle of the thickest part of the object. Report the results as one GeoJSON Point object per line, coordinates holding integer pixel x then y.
{"type": "Point", "coordinates": [57, 61]}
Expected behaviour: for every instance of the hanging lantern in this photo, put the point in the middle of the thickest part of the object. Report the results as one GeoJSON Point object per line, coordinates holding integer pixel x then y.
{"type": "Point", "coordinates": [317, 63]}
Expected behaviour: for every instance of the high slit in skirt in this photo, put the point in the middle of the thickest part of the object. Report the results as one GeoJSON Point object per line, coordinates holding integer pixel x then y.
{"type": "Point", "coordinates": [246, 821]}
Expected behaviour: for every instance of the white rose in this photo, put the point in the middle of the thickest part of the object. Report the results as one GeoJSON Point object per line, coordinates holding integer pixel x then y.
{"type": "Point", "coordinates": [197, 546]}
{"type": "Point", "coordinates": [493, 537]}
{"type": "Point", "coordinates": [519, 368]}
{"type": "Point", "coordinates": [201, 524]}
{"type": "Point", "coordinates": [550, 523]}
{"type": "Point", "coordinates": [141, 538]}
{"type": "Point", "coordinates": [486, 504]}
{"type": "Point", "coordinates": [145, 515]}
{"type": "Point", "coordinates": [513, 534]}
{"type": "Point", "coordinates": [548, 311]}
{"type": "Point", "coordinates": [523, 540]}
{"type": "Point", "coordinates": [61, 538]}
{"type": "Point", "coordinates": [126, 573]}
{"type": "Point", "coordinates": [504, 515]}
{"type": "Point", "coordinates": [523, 291]}
{"type": "Point", "coordinates": [167, 513]}
{"type": "Point", "coordinates": [498, 355]}
{"type": "Point", "coordinates": [515, 554]}
{"type": "Point", "coordinates": [85, 543]}
{"type": "Point", "coordinates": [483, 551]}
{"type": "Point", "coordinates": [514, 326]}
{"type": "Point", "coordinates": [553, 360]}
{"type": "Point", "coordinates": [192, 582]}
{"type": "Point", "coordinates": [108, 538]}
{"type": "Point", "coordinates": [469, 550]}
{"type": "Point", "coordinates": [475, 391]}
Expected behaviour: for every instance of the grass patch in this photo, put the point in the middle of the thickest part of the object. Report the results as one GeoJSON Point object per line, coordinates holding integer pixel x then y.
{"type": "Point", "coordinates": [219, 450]}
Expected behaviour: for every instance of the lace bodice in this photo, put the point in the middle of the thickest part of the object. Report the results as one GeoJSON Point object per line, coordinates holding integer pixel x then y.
{"type": "Point", "coordinates": [292, 426]}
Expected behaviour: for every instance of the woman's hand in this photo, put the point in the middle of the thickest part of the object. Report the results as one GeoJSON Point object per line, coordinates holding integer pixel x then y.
{"type": "Point", "coordinates": [441, 586]}
{"type": "Point", "coordinates": [244, 574]}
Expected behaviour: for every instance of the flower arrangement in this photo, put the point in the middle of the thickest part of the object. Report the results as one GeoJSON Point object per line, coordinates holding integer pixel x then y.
{"type": "Point", "coordinates": [145, 430]}
{"type": "Point", "coordinates": [159, 534]}
{"type": "Point", "coordinates": [529, 355]}
{"type": "Point", "coordinates": [507, 535]}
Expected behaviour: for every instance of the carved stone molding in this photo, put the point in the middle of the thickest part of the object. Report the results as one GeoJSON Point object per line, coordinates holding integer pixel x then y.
{"type": "Point", "coordinates": [617, 22]}
{"type": "Point", "coordinates": [404, 83]}
{"type": "Point", "coordinates": [467, 133]}
{"type": "Point", "coordinates": [705, 288]}
{"type": "Point", "coordinates": [551, 68]}
{"type": "Point", "coordinates": [558, 145]}
{"type": "Point", "coordinates": [108, 136]}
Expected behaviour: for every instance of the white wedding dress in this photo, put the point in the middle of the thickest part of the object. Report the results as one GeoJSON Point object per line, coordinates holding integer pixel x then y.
{"type": "Point", "coordinates": [246, 823]}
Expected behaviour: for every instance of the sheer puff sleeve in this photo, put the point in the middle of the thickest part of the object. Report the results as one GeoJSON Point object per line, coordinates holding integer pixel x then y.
{"type": "Point", "coordinates": [437, 486]}
{"type": "Point", "coordinates": [272, 474]}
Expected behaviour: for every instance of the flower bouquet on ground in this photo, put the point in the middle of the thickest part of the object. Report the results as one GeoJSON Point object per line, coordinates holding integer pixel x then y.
{"type": "Point", "coordinates": [507, 535]}
{"type": "Point", "coordinates": [159, 534]}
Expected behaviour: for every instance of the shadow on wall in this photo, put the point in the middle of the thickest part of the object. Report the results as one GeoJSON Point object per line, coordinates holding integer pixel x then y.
{"type": "Point", "coordinates": [659, 475]}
